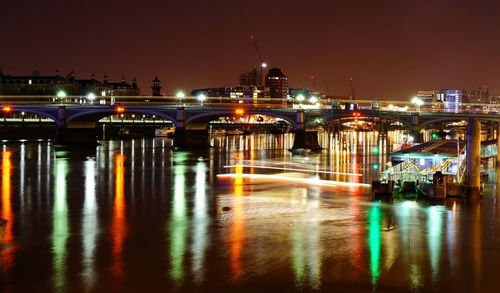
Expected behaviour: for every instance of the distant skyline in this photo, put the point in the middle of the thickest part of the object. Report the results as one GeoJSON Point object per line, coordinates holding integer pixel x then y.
{"type": "Point", "coordinates": [391, 48]}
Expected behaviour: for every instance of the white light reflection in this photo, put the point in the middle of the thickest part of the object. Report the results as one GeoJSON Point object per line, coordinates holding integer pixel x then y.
{"type": "Point", "coordinates": [89, 225]}
{"type": "Point", "coordinates": [60, 225]}
{"type": "Point", "coordinates": [178, 224]}
{"type": "Point", "coordinates": [22, 174]}
{"type": "Point", "coordinates": [201, 219]}
{"type": "Point", "coordinates": [293, 179]}
{"type": "Point", "coordinates": [434, 234]}
{"type": "Point", "coordinates": [293, 169]}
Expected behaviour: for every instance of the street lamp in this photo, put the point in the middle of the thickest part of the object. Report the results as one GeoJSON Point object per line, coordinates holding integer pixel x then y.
{"type": "Point", "coordinates": [61, 95]}
{"type": "Point", "coordinates": [202, 98]}
{"type": "Point", "coordinates": [91, 97]}
{"type": "Point", "coordinates": [417, 102]}
{"type": "Point", "coordinates": [180, 95]}
{"type": "Point", "coordinates": [313, 100]}
{"type": "Point", "coordinates": [300, 98]}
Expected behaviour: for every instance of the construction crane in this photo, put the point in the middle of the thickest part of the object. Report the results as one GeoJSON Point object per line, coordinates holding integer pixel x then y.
{"type": "Point", "coordinates": [262, 64]}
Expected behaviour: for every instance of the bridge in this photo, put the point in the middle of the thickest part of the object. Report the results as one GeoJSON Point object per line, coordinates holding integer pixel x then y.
{"type": "Point", "coordinates": [76, 118]}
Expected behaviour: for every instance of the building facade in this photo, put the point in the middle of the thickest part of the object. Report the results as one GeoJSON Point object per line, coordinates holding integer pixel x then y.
{"type": "Point", "coordinates": [277, 82]}
{"type": "Point", "coordinates": [49, 85]}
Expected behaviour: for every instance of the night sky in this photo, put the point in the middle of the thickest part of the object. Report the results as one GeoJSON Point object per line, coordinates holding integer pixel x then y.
{"type": "Point", "coordinates": [392, 48]}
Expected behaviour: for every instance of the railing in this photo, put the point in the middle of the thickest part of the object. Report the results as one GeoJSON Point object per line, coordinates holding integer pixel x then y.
{"type": "Point", "coordinates": [395, 107]}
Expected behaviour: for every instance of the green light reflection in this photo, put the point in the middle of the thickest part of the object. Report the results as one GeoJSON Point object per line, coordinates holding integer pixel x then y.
{"type": "Point", "coordinates": [298, 257]}
{"type": "Point", "coordinates": [434, 234]}
{"type": "Point", "coordinates": [374, 241]}
{"type": "Point", "coordinates": [60, 225]}
{"type": "Point", "coordinates": [178, 224]}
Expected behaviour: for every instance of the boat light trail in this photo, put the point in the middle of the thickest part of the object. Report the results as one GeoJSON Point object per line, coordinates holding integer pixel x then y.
{"type": "Point", "coordinates": [292, 169]}
{"type": "Point", "coordinates": [293, 179]}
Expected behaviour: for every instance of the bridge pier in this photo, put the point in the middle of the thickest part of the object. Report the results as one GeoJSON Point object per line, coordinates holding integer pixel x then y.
{"type": "Point", "coordinates": [473, 160]}
{"type": "Point", "coordinates": [414, 128]}
{"type": "Point", "coordinates": [304, 139]}
{"type": "Point", "coordinates": [189, 139]}
{"type": "Point", "coordinates": [195, 136]}
{"type": "Point", "coordinates": [81, 134]}
{"type": "Point", "coordinates": [76, 136]}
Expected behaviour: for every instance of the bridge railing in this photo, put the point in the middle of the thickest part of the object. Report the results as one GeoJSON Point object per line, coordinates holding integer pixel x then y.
{"type": "Point", "coordinates": [195, 101]}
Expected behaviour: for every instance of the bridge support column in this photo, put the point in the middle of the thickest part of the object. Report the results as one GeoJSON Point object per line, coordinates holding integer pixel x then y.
{"type": "Point", "coordinates": [76, 136]}
{"type": "Point", "coordinates": [473, 178]}
{"type": "Point", "coordinates": [414, 129]}
{"type": "Point", "coordinates": [304, 139]}
{"type": "Point", "coordinates": [189, 138]}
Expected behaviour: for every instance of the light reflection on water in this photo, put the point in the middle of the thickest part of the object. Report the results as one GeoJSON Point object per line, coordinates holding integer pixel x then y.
{"type": "Point", "coordinates": [135, 215]}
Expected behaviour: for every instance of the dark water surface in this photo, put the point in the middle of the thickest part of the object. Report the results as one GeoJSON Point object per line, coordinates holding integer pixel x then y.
{"type": "Point", "coordinates": [136, 216]}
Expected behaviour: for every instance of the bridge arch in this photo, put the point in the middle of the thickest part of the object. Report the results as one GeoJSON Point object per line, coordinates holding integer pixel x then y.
{"type": "Point", "coordinates": [47, 114]}
{"type": "Point", "coordinates": [404, 122]}
{"type": "Point", "coordinates": [90, 118]}
{"type": "Point", "coordinates": [201, 120]}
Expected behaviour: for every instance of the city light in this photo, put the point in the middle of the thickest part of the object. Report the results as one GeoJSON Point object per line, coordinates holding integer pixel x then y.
{"type": "Point", "coordinates": [313, 181]}
{"type": "Point", "coordinates": [91, 96]}
{"type": "Point", "coordinates": [263, 65]}
{"type": "Point", "coordinates": [120, 109]}
{"type": "Point", "coordinates": [239, 111]}
{"type": "Point", "coordinates": [61, 94]}
{"type": "Point", "coordinates": [416, 101]}
{"type": "Point", "coordinates": [202, 98]}
{"type": "Point", "coordinates": [300, 98]}
{"type": "Point", "coordinates": [180, 95]}
{"type": "Point", "coordinates": [7, 109]}
{"type": "Point", "coordinates": [313, 100]}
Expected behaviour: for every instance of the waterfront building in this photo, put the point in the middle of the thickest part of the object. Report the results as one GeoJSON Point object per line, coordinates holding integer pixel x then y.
{"type": "Point", "coordinates": [48, 85]}
{"type": "Point", "coordinates": [239, 92]}
{"type": "Point", "coordinates": [277, 82]}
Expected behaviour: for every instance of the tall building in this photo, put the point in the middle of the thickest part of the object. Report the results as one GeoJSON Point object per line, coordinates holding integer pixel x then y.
{"type": "Point", "coordinates": [431, 98]}
{"type": "Point", "coordinates": [250, 78]}
{"type": "Point", "coordinates": [156, 87]}
{"type": "Point", "coordinates": [453, 99]}
{"type": "Point", "coordinates": [47, 85]}
{"type": "Point", "coordinates": [277, 82]}
{"type": "Point", "coordinates": [481, 95]}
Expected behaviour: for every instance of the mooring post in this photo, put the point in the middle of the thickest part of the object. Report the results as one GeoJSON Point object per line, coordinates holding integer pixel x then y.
{"type": "Point", "coordinates": [473, 178]}
{"type": "Point", "coordinates": [498, 144]}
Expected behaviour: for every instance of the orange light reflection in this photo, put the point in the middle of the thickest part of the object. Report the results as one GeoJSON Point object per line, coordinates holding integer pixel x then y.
{"type": "Point", "coordinates": [118, 225]}
{"type": "Point", "coordinates": [7, 214]}
{"type": "Point", "coordinates": [237, 228]}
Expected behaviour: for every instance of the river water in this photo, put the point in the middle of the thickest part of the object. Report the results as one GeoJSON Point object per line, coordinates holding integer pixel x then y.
{"type": "Point", "coordinates": [244, 216]}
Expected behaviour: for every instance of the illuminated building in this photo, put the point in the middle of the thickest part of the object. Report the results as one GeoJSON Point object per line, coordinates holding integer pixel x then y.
{"type": "Point", "coordinates": [431, 99]}
{"type": "Point", "coordinates": [38, 84]}
{"type": "Point", "coordinates": [277, 82]}
{"type": "Point", "coordinates": [453, 99]}
{"type": "Point", "coordinates": [240, 92]}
